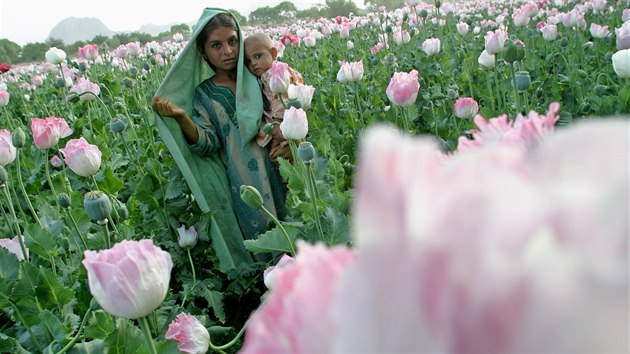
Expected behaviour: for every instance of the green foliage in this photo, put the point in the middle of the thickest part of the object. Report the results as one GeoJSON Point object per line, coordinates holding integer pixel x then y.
{"type": "Point", "coordinates": [373, 5]}
{"type": "Point", "coordinates": [33, 52]}
{"type": "Point", "coordinates": [9, 51]}
{"type": "Point", "coordinates": [336, 8]}
{"type": "Point", "coordinates": [181, 28]}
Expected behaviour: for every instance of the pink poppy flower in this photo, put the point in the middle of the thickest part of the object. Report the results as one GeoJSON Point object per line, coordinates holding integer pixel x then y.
{"type": "Point", "coordinates": [48, 131]}
{"type": "Point", "coordinates": [82, 157]}
{"type": "Point", "coordinates": [138, 269]}
{"type": "Point", "coordinates": [403, 88]}
{"type": "Point", "coordinates": [191, 336]}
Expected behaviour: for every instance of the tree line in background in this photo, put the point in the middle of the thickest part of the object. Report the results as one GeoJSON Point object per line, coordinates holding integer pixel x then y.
{"type": "Point", "coordinates": [284, 12]}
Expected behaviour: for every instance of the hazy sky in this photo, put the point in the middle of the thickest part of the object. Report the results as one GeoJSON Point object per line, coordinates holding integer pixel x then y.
{"type": "Point", "coordinates": [24, 21]}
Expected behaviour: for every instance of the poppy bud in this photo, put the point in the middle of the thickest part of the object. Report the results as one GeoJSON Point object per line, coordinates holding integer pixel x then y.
{"type": "Point", "coordinates": [18, 138]}
{"type": "Point", "coordinates": [63, 200]}
{"type": "Point", "coordinates": [268, 128]}
{"type": "Point", "coordinates": [251, 196]}
{"type": "Point", "coordinates": [117, 125]}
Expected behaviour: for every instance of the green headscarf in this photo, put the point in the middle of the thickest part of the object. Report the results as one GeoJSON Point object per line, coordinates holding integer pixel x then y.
{"type": "Point", "coordinates": [206, 175]}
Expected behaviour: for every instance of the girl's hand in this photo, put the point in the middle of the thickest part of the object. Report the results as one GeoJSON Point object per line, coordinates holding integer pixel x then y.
{"type": "Point", "coordinates": [166, 108]}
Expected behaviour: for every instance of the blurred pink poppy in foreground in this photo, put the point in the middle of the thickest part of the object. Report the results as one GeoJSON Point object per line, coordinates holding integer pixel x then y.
{"type": "Point", "coordinates": [497, 249]}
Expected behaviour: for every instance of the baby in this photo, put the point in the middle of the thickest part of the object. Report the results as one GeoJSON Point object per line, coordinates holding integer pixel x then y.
{"type": "Point", "coordinates": [259, 55]}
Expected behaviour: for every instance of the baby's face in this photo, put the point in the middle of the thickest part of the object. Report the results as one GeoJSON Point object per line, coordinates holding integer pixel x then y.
{"type": "Point", "coordinates": [258, 58]}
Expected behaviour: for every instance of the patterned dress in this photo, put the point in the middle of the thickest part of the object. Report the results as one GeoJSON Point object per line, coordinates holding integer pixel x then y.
{"type": "Point", "coordinates": [214, 113]}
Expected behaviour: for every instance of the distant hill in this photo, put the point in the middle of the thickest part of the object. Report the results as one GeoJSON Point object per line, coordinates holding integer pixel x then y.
{"type": "Point", "coordinates": [74, 29]}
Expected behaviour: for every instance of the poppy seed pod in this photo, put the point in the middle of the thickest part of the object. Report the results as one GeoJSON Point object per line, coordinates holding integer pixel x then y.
{"type": "Point", "coordinates": [123, 212]}
{"type": "Point", "coordinates": [251, 196]}
{"type": "Point", "coordinates": [306, 152]}
{"type": "Point", "coordinates": [63, 200]}
{"type": "Point", "coordinates": [564, 42]}
{"type": "Point", "coordinates": [82, 67]}
{"type": "Point", "coordinates": [18, 138]}
{"type": "Point", "coordinates": [97, 206]}
{"type": "Point", "coordinates": [60, 82]}
{"type": "Point", "coordinates": [117, 125]}
{"type": "Point", "coordinates": [523, 80]}
{"type": "Point", "coordinates": [294, 103]}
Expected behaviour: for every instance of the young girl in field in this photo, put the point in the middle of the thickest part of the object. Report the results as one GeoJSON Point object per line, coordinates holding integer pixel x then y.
{"type": "Point", "coordinates": [215, 107]}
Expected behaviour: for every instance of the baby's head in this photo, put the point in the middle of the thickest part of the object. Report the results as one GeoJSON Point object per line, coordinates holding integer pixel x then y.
{"type": "Point", "coordinates": [259, 53]}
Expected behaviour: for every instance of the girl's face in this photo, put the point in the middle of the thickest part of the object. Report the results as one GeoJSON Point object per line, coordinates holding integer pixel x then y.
{"type": "Point", "coordinates": [221, 48]}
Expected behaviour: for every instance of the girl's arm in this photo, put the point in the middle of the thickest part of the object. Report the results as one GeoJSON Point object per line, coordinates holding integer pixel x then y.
{"type": "Point", "coordinates": [166, 108]}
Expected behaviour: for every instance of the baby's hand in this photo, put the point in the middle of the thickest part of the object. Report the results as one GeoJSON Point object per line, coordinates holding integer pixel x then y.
{"type": "Point", "coordinates": [166, 108]}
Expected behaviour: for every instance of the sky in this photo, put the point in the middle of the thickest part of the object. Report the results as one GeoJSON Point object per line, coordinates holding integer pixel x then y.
{"type": "Point", "coordinates": [28, 21]}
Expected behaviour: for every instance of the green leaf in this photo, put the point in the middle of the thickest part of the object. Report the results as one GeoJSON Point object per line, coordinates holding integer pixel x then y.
{"type": "Point", "coordinates": [112, 183]}
{"type": "Point", "coordinates": [7, 344]}
{"type": "Point", "coordinates": [92, 347]}
{"type": "Point", "coordinates": [215, 300]}
{"type": "Point", "coordinates": [126, 339]}
{"type": "Point", "coordinates": [8, 267]}
{"type": "Point", "coordinates": [100, 325]}
{"type": "Point", "coordinates": [336, 226]}
{"type": "Point", "coordinates": [40, 241]}
{"type": "Point", "coordinates": [51, 290]}
{"type": "Point", "coordinates": [167, 347]}
{"type": "Point", "coordinates": [273, 240]}
{"type": "Point", "coordinates": [53, 325]}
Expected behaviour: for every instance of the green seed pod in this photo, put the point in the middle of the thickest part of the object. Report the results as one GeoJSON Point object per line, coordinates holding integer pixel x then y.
{"type": "Point", "coordinates": [389, 29]}
{"type": "Point", "coordinates": [608, 56]}
{"type": "Point", "coordinates": [127, 82]}
{"type": "Point", "coordinates": [82, 67]}
{"type": "Point", "coordinates": [63, 200]}
{"type": "Point", "coordinates": [452, 93]}
{"type": "Point", "coordinates": [117, 125]}
{"type": "Point", "coordinates": [60, 82]}
{"type": "Point", "coordinates": [146, 66]}
{"type": "Point", "coordinates": [97, 206]}
{"type": "Point", "coordinates": [73, 98]}
{"type": "Point", "coordinates": [564, 42]}
{"type": "Point", "coordinates": [600, 90]}
{"type": "Point", "coordinates": [123, 212]}
{"type": "Point", "coordinates": [18, 137]}
{"type": "Point", "coordinates": [294, 103]}
{"type": "Point", "coordinates": [509, 54]}
{"type": "Point", "coordinates": [133, 71]}
{"type": "Point", "coordinates": [523, 80]}
{"type": "Point", "coordinates": [424, 13]}
{"type": "Point", "coordinates": [251, 197]}
{"type": "Point", "coordinates": [3, 176]}
{"type": "Point", "coordinates": [306, 152]}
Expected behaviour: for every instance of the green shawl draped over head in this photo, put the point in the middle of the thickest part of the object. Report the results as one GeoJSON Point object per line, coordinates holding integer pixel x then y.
{"type": "Point", "coordinates": [206, 175]}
